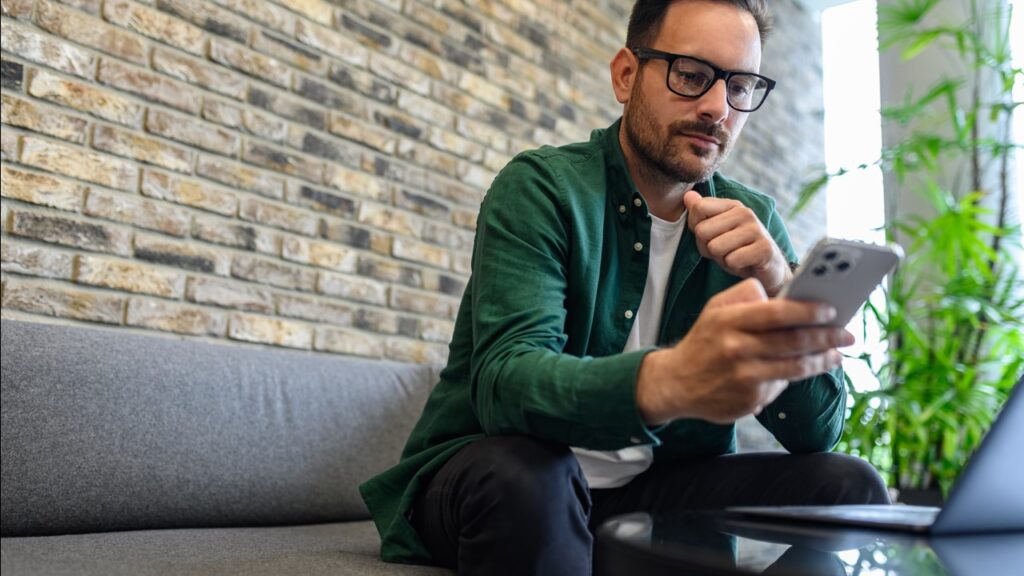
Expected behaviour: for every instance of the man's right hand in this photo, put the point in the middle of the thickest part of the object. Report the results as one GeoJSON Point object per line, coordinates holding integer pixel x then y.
{"type": "Point", "coordinates": [738, 357]}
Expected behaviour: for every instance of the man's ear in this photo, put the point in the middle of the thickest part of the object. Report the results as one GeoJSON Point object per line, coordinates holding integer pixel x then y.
{"type": "Point", "coordinates": [624, 68]}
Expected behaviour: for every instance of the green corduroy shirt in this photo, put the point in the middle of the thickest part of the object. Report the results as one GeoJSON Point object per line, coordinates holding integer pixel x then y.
{"type": "Point", "coordinates": [559, 268]}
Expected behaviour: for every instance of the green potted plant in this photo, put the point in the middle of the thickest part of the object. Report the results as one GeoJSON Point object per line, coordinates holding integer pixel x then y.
{"type": "Point", "coordinates": [952, 315]}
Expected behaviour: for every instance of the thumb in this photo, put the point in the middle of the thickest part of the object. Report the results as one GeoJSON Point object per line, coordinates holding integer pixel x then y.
{"type": "Point", "coordinates": [749, 290]}
{"type": "Point", "coordinates": [690, 200]}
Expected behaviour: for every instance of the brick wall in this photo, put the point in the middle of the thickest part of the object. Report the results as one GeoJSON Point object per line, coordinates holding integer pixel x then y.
{"type": "Point", "coordinates": [304, 173]}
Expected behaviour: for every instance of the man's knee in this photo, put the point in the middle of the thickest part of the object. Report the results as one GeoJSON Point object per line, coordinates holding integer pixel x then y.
{"type": "Point", "coordinates": [843, 479]}
{"type": "Point", "coordinates": [525, 476]}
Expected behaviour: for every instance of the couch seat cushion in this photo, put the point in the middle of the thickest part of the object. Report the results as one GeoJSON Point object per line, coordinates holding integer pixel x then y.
{"type": "Point", "coordinates": [336, 549]}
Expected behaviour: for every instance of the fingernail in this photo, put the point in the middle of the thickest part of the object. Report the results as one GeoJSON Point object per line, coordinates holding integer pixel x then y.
{"type": "Point", "coordinates": [830, 313]}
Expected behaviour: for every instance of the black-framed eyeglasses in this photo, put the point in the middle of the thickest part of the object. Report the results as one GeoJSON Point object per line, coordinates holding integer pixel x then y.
{"type": "Point", "coordinates": [692, 77]}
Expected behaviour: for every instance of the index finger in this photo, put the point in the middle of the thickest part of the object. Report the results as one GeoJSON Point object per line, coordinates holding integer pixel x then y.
{"type": "Point", "coordinates": [776, 314]}
{"type": "Point", "coordinates": [707, 207]}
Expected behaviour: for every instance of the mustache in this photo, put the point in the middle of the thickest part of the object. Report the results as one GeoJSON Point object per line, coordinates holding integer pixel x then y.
{"type": "Point", "coordinates": [706, 128]}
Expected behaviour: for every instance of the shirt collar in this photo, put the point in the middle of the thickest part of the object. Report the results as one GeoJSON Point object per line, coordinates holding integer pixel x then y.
{"type": "Point", "coordinates": [621, 189]}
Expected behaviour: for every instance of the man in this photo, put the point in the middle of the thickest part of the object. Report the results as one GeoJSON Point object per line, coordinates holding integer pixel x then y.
{"type": "Point", "coordinates": [617, 323]}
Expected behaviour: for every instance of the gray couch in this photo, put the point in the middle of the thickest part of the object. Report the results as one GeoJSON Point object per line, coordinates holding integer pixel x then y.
{"type": "Point", "coordinates": [128, 453]}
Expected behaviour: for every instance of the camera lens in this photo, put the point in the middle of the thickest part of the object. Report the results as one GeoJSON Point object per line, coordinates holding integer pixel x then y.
{"type": "Point", "coordinates": [831, 255]}
{"type": "Point", "coordinates": [819, 270]}
{"type": "Point", "coordinates": [843, 266]}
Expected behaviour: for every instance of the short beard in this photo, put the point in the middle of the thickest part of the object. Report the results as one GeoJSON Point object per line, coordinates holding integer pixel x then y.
{"type": "Point", "coordinates": [664, 153]}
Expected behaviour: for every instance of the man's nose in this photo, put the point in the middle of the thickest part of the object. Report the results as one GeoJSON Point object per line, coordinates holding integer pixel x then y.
{"type": "Point", "coordinates": [713, 105]}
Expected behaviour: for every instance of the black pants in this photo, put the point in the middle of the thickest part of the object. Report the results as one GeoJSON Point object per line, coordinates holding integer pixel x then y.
{"type": "Point", "coordinates": [519, 505]}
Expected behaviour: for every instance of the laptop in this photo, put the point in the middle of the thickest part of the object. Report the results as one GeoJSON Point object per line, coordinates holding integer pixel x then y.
{"type": "Point", "coordinates": [987, 497]}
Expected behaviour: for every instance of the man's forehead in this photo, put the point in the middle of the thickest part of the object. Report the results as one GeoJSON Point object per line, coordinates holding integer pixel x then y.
{"type": "Point", "coordinates": [719, 32]}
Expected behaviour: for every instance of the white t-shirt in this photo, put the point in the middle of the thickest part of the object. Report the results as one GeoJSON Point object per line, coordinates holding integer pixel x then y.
{"type": "Point", "coordinates": [616, 468]}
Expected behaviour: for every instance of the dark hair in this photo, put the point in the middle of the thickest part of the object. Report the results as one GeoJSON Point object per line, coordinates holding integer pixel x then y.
{"type": "Point", "coordinates": [645, 21]}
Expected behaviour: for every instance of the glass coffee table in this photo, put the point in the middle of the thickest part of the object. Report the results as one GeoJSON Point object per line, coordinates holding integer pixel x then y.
{"type": "Point", "coordinates": [719, 544]}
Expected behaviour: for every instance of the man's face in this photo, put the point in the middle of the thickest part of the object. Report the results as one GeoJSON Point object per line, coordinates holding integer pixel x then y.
{"type": "Point", "coordinates": [685, 139]}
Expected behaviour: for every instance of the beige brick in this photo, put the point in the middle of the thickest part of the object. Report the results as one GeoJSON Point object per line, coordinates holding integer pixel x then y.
{"type": "Point", "coordinates": [273, 272]}
{"type": "Point", "coordinates": [155, 24]}
{"type": "Point", "coordinates": [352, 288]}
{"type": "Point", "coordinates": [389, 270]}
{"type": "Point", "coordinates": [264, 12]}
{"type": "Point", "coordinates": [58, 229]}
{"type": "Point", "coordinates": [465, 218]}
{"type": "Point", "coordinates": [263, 330]}
{"type": "Point", "coordinates": [129, 276]}
{"type": "Point", "coordinates": [380, 320]}
{"type": "Point", "coordinates": [193, 132]}
{"type": "Point", "coordinates": [177, 254]}
{"type": "Point", "coordinates": [249, 62]}
{"type": "Point", "coordinates": [405, 350]}
{"type": "Point", "coordinates": [26, 114]}
{"type": "Point", "coordinates": [447, 236]}
{"type": "Point", "coordinates": [294, 54]}
{"type": "Point", "coordinates": [279, 216]}
{"type": "Point", "coordinates": [142, 148]}
{"type": "Point", "coordinates": [229, 294]}
{"type": "Point", "coordinates": [363, 82]}
{"type": "Point", "coordinates": [313, 309]}
{"type": "Point", "coordinates": [484, 90]}
{"type": "Point", "coordinates": [316, 10]}
{"type": "Point", "coordinates": [150, 86]}
{"type": "Point", "coordinates": [231, 233]}
{"type": "Point", "coordinates": [21, 9]}
{"type": "Point", "coordinates": [425, 303]}
{"type": "Point", "coordinates": [428, 157]}
{"type": "Point", "coordinates": [289, 108]}
{"type": "Point", "coordinates": [41, 189]}
{"type": "Point", "coordinates": [350, 342]}
{"type": "Point", "coordinates": [193, 193]}
{"type": "Point", "coordinates": [195, 71]}
{"type": "Point", "coordinates": [88, 98]}
{"type": "Point", "coordinates": [513, 82]}
{"type": "Point", "coordinates": [79, 163]}
{"type": "Point", "coordinates": [40, 48]}
{"type": "Point", "coordinates": [452, 190]}
{"type": "Point", "coordinates": [388, 219]}
{"type": "Point", "coordinates": [89, 31]}
{"type": "Point", "coordinates": [499, 33]}
{"type": "Point", "coordinates": [475, 176]}
{"type": "Point", "coordinates": [428, 63]}
{"type": "Point", "coordinates": [63, 301]}
{"type": "Point", "coordinates": [407, 249]}
{"type": "Point", "coordinates": [399, 73]}
{"type": "Point", "coordinates": [482, 132]}
{"type": "Point", "coordinates": [434, 330]}
{"type": "Point", "coordinates": [239, 176]}
{"type": "Point", "coordinates": [10, 141]}
{"type": "Point", "coordinates": [90, 6]}
{"type": "Point", "coordinates": [450, 142]}
{"type": "Point", "coordinates": [462, 264]}
{"type": "Point", "coordinates": [332, 42]}
{"type": "Point", "coordinates": [280, 160]}
{"type": "Point", "coordinates": [320, 254]}
{"type": "Point", "coordinates": [362, 132]}
{"type": "Point", "coordinates": [34, 260]}
{"type": "Point", "coordinates": [426, 109]}
{"type": "Point", "coordinates": [357, 183]}
{"type": "Point", "coordinates": [320, 201]}
{"type": "Point", "coordinates": [175, 317]}
{"type": "Point", "coordinates": [495, 161]}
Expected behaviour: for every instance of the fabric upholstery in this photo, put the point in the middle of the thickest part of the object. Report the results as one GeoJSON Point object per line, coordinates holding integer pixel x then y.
{"type": "Point", "coordinates": [111, 430]}
{"type": "Point", "coordinates": [339, 549]}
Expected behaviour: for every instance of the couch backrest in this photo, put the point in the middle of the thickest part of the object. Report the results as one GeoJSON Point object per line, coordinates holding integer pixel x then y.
{"type": "Point", "coordinates": [109, 430]}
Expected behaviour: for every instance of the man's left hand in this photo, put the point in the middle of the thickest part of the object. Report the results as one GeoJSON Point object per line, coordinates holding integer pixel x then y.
{"type": "Point", "coordinates": [730, 234]}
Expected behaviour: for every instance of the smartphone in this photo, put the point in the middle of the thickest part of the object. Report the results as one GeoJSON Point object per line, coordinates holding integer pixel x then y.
{"type": "Point", "coordinates": [842, 273]}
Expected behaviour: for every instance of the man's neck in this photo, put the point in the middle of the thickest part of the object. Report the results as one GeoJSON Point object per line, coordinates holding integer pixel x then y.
{"type": "Point", "coordinates": [664, 195]}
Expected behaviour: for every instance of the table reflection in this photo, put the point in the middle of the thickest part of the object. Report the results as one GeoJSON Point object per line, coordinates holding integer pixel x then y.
{"type": "Point", "coordinates": [716, 544]}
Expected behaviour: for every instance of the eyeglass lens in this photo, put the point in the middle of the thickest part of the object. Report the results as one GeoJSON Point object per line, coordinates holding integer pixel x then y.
{"type": "Point", "coordinates": [692, 78]}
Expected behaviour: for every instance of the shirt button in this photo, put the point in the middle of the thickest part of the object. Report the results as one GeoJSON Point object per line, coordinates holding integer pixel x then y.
{"type": "Point", "coordinates": [782, 415]}
{"type": "Point", "coordinates": [628, 314]}
{"type": "Point", "coordinates": [638, 202]}
{"type": "Point", "coordinates": [638, 247]}
{"type": "Point", "coordinates": [622, 208]}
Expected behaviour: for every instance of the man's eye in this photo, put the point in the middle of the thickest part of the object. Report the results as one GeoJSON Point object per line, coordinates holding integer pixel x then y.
{"type": "Point", "coordinates": [693, 78]}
